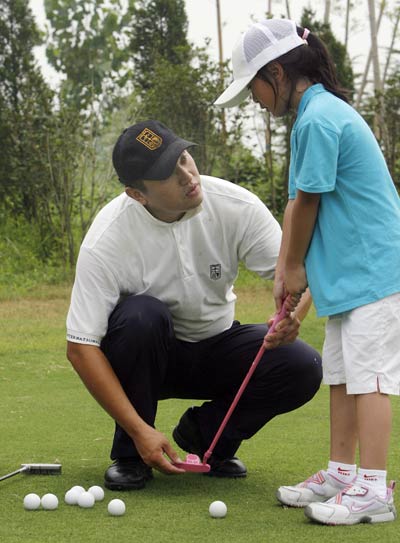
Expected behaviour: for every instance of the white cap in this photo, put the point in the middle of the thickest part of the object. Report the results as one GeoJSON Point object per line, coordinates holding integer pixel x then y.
{"type": "Point", "coordinates": [260, 44]}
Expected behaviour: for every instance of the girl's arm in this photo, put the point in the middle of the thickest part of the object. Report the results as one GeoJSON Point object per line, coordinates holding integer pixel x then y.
{"type": "Point", "coordinates": [279, 292]}
{"type": "Point", "coordinates": [304, 211]}
{"type": "Point", "coordinates": [287, 330]}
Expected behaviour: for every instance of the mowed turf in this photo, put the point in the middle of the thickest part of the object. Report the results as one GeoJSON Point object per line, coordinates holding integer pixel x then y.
{"type": "Point", "coordinates": [46, 415]}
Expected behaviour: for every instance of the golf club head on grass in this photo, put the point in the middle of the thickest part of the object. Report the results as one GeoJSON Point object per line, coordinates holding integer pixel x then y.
{"type": "Point", "coordinates": [193, 463]}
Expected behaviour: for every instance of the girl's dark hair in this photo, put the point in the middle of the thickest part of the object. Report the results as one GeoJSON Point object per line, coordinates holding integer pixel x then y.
{"type": "Point", "coordinates": [312, 61]}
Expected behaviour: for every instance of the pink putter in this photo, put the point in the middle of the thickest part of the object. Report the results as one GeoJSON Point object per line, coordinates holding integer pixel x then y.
{"type": "Point", "coordinates": [192, 462]}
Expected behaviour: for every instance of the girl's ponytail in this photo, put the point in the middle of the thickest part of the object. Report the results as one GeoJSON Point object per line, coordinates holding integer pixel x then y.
{"type": "Point", "coordinates": [324, 68]}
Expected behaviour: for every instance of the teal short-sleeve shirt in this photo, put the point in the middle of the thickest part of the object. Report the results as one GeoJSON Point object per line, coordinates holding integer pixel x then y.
{"type": "Point", "coordinates": [354, 255]}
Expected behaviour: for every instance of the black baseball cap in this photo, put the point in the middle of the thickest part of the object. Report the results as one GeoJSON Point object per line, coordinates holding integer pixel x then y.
{"type": "Point", "coordinates": [147, 150]}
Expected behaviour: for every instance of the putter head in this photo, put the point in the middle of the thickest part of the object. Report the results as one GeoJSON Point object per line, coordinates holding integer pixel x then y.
{"type": "Point", "coordinates": [42, 469]}
{"type": "Point", "coordinates": [193, 463]}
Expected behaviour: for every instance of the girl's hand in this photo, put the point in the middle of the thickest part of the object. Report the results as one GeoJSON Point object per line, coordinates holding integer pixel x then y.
{"type": "Point", "coordinates": [295, 281]}
{"type": "Point", "coordinates": [278, 292]}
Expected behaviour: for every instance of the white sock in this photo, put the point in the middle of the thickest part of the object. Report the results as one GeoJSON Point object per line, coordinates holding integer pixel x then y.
{"type": "Point", "coordinates": [373, 478]}
{"type": "Point", "coordinates": [345, 473]}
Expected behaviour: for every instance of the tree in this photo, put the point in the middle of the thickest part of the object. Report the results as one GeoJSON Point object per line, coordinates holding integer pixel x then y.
{"type": "Point", "coordinates": [391, 97]}
{"type": "Point", "coordinates": [85, 44]}
{"type": "Point", "coordinates": [391, 48]}
{"type": "Point", "coordinates": [181, 96]}
{"type": "Point", "coordinates": [327, 13]}
{"type": "Point", "coordinates": [159, 33]}
{"type": "Point", "coordinates": [79, 180]}
{"type": "Point", "coordinates": [26, 107]}
{"type": "Point", "coordinates": [176, 82]}
{"type": "Point", "coordinates": [363, 83]}
{"type": "Point", "coordinates": [347, 24]}
{"type": "Point", "coordinates": [379, 126]}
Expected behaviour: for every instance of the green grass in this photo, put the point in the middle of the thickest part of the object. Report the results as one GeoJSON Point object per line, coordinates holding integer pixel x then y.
{"type": "Point", "coordinates": [48, 416]}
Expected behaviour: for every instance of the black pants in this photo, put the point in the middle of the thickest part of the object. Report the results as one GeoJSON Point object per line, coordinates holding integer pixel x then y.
{"type": "Point", "coordinates": [152, 364]}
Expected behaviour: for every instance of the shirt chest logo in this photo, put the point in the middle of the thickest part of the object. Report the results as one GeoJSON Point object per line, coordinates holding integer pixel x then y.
{"type": "Point", "coordinates": [215, 271]}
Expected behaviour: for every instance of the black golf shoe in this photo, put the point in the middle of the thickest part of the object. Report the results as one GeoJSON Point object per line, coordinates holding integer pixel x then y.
{"type": "Point", "coordinates": [127, 474]}
{"type": "Point", "coordinates": [188, 437]}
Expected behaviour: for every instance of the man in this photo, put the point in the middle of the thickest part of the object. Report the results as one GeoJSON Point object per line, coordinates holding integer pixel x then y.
{"type": "Point", "coordinates": [152, 311]}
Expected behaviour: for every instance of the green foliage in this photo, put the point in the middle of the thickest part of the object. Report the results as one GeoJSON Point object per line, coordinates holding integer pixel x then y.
{"type": "Point", "coordinates": [187, 92]}
{"type": "Point", "coordinates": [372, 106]}
{"type": "Point", "coordinates": [25, 106]}
{"type": "Point", "coordinates": [22, 266]}
{"type": "Point", "coordinates": [18, 35]}
{"type": "Point", "coordinates": [84, 45]}
{"type": "Point", "coordinates": [158, 34]}
{"type": "Point", "coordinates": [251, 172]}
{"type": "Point", "coordinates": [176, 82]}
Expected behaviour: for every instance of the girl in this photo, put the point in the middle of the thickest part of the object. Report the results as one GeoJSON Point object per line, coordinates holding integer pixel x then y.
{"type": "Point", "coordinates": [341, 236]}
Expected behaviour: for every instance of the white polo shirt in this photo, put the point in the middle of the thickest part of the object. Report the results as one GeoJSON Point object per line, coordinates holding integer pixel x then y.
{"type": "Point", "coordinates": [190, 264]}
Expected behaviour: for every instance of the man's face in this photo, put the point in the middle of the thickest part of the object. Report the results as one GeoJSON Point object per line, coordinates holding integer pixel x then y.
{"type": "Point", "coordinates": [169, 199]}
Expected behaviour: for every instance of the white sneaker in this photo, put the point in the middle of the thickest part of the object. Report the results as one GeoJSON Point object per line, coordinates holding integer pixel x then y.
{"type": "Point", "coordinates": [354, 505]}
{"type": "Point", "coordinates": [318, 488]}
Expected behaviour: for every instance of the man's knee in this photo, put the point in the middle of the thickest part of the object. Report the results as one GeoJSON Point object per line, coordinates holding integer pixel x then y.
{"type": "Point", "coordinates": [306, 372]}
{"type": "Point", "coordinates": [140, 318]}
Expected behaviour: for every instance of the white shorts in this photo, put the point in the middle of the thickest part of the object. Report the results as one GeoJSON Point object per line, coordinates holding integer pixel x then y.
{"type": "Point", "coordinates": [362, 348]}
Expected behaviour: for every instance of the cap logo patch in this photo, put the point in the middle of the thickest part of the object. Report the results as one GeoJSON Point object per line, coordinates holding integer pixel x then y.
{"type": "Point", "coordinates": [148, 138]}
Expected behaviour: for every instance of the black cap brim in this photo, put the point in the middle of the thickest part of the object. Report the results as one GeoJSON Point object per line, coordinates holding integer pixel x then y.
{"type": "Point", "coordinates": [165, 164]}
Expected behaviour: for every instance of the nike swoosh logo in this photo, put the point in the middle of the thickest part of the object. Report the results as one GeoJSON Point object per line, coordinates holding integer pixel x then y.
{"type": "Point", "coordinates": [357, 508]}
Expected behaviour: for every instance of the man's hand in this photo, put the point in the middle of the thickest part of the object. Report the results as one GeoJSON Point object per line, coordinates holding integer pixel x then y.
{"type": "Point", "coordinates": [153, 447]}
{"type": "Point", "coordinates": [285, 332]}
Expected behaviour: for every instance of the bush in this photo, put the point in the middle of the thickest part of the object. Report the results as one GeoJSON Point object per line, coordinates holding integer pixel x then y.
{"type": "Point", "coordinates": [22, 270]}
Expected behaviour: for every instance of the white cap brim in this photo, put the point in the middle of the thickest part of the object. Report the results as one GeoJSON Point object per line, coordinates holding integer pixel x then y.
{"type": "Point", "coordinates": [236, 92]}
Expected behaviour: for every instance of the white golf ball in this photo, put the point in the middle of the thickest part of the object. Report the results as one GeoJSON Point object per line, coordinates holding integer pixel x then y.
{"type": "Point", "coordinates": [116, 508]}
{"type": "Point", "coordinates": [218, 509]}
{"type": "Point", "coordinates": [49, 502]}
{"type": "Point", "coordinates": [86, 500]}
{"type": "Point", "coordinates": [78, 489]}
{"type": "Point", "coordinates": [97, 492]}
{"type": "Point", "coordinates": [71, 496]}
{"type": "Point", "coordinates": [31, 502]}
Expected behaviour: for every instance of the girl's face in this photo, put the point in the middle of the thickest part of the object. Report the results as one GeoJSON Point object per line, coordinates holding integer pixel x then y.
{"type": "Point", "coordinates": [274, 92]}
{"type": "Point", "coordinates": [276, 101]}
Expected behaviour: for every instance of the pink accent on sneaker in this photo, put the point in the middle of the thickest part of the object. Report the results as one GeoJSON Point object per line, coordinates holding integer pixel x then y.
{"type": "Point", "coordinates": [317, 478]}
{"type": "Point", "coordinates": [351, 490]}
